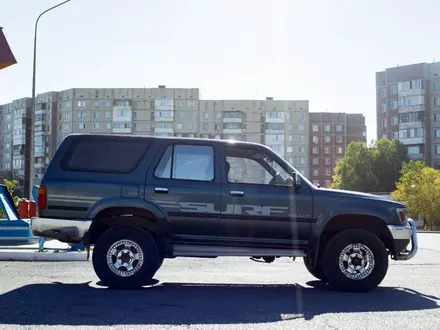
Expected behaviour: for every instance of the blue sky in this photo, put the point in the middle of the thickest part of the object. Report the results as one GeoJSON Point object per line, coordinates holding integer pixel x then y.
{"type": "Point", "coordinates": [326, 51]}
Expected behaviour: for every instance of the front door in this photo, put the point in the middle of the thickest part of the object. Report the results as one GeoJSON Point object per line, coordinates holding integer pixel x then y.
{"type": "Point", "coordinates": [185, 183]}
{"type": "Point", "coordinates": [259, 202]}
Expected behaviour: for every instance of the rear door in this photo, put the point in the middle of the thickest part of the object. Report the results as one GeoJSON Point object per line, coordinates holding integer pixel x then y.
{"type": "Point", "coordinates": [185, 183]}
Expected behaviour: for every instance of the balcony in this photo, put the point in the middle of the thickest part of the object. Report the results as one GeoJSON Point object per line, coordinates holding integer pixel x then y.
{"type": "Point", "coordinates": [122, 130]}
{"type": "Point", "coordinates": [164, 130]}
{"type": "Point", "coordinates": [232, 119]}
{"type": "Point", "coordinates": [415, 156]}
{"type": "Point", "coordinates": [412, 108]}
{"type": "Point", "coordinates": [411, 92]}
{"type": "Point", "coordinates": [232, 131]}
{"type": "Point", "coordinates": [414, 140]}
{"type": "Point", "coordinates": [274, 120]}
{"type": "Point", "coordinates": [413, 124]}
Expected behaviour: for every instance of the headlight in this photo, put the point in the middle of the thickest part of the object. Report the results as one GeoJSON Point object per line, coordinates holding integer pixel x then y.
{"type": "Point", "coordinates": [403, 215]}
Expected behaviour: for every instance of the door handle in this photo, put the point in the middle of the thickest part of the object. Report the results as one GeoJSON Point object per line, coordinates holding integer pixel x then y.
{"type": "Point", "coordinates": [161, 190]}
{"type": "Point", "coordinates": [236, 193]}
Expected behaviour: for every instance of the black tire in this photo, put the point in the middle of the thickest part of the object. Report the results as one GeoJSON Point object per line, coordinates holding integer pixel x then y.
{"type": "Point", "coordinates": [366, 241]}
{"type": "Point", "coordinates": [316, 271]}
{"type": "Point", "coordinates": [161, 259]}
{"type": "Point", "coordinates": [142, 240]}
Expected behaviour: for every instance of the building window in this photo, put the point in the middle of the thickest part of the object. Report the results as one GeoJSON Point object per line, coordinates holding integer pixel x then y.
{"type": "Point", "coordinates": [289, 149]}
{"type": "Point", "coordinates": [338, 139]}
{"type": "Point", "coordinates": [302, 139]}
{"type": "Point", "coordinates": [81, 126]}
{"type": "Point", "coordinates": [394, 105]}
{"type": "Point", "coordinates": [338, 128]}
{"type": "Point", "coordinates": [180, 114]}
{"type": "Point", "coordinates": [395, 120]}
{"type": "Point", "coordinates": [179, 126]}
{"type": "Point", "coordinates": [384, 107]}
{"type": "Point", "coordinates": [437, 117]}
{"type": "Point", "coordinates": [326, 128]}
{"type": "Point", "coordinates": [96, 125]}
{"type": "Point", "coordinates": [395, 135]}
{"type": "Point", "coordinates": [327, 161]}
{"type": "Point", "coordinates": [301, 127]}
{"type": "Point", "coordinates": [393, 89]}
{"type": "Point", "coordinates": [315, 128]}
{"type": "Point", "coordinates": [302, 161]}
{"type": "Point", "coordinates": [290, 138]}
{"type": "Point", "coordinates": [316, 172]}
{"type": "Point", "coordinates": [315, 161]}
{"type": "Point", "coordinates": [339, 150]}
{"type": "Point", "coordinates": [205, 127]}
{"type": "Point", "coordinates": [81, 104]}
{"type": "Point", "coordinates": [437, 133]}
{"type": "Point", "coordinates": [108, 125]}
{"type": "Point", "coordinates": [437, 149]}
{"type": "Point", "coordinates": [96, 115]}
{"type": "Point", "coordinates": [328, 172]}
{"type": "Point", "coordinates": [326, 150]}
{"type": "Point", "coordinates": [315, 139]}
{"type": "Point", "coordinates": [206, 115]}
{"type": "Point", "coordinates": [384, 123]}
{"type": "Point", "coordinates": [290, 127]}
{"type": "Point", "coordinates": [218, 115]}
{"type": "Point", "coordinates": [414, 150]}
{"type": "Point", "coordinates": [301, 116]}
{"type": "Point", "coordinates": [383, 92]}
{"type": "Point", "coordinates": [108, 115]}
{"type": "Point", "coordinates": [315, 150]}
{"type": "Point", "coordinates": [302, 149]}
{"type": "Point", "coordinates": [327, 139]}
{"type": "Point", "coordinates": [190, 126]}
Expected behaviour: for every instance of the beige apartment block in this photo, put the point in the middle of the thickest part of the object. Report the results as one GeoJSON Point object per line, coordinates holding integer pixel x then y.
{"type": "Point", "coordinates": [283, 125]}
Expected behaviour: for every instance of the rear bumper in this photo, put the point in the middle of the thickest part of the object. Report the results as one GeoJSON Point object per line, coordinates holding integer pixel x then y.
{"type": "Point", "coordinates": [64, 230]}
{"type": "Point", "coordinates": [405, 234]}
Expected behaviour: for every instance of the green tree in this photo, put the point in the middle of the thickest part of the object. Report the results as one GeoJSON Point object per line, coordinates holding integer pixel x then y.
{"type": "Point", "coordinates": [419, 189]}
{"type": "Point", "coordinates": [373, 168]}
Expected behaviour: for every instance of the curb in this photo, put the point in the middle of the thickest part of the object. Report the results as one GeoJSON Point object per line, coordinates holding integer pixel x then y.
{"type": "Point", "coordinates": [42, 256]}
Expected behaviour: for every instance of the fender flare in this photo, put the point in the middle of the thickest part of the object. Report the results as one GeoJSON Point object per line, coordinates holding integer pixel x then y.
{"type": "Point", "coordinates": [118, 202]}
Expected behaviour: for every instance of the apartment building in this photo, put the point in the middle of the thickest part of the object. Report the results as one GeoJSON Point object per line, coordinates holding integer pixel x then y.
{"type": "Point", "coordinates": [408, 109]}
{"type": "Point", "coordinates": [15, 127]}
{"type": "Point", "coordinates": [330, 134]}
{"type": "Point", "coordinates": [283, 125]}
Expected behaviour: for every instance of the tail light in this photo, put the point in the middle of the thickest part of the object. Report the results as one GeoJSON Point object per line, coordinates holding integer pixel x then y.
{"type": "Point", "coordinates": [42, 197]}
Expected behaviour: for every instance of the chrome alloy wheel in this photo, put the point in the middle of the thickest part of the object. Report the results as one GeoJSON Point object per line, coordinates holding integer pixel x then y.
{"type": "Point", "coordinates": [356, 261]}
{"type": "Point", "coordinates": [125, 258]}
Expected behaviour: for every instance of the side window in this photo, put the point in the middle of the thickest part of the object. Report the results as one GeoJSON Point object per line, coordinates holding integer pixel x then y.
{"type": "Point", "coordinates": [253, 167]}
{"type": "Point", "coordinates": [187, 162]}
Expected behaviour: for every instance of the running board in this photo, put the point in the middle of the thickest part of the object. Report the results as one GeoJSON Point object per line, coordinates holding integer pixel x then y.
{"type": "Point", "coordinates": [180, 250]}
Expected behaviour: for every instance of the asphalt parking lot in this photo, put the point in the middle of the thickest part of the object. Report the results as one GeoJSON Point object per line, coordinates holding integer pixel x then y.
{"type": "Point", "coordinates": [224, 293]}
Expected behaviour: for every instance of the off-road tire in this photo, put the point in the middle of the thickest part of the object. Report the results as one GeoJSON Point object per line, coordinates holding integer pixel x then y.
{"type": "Point", "coordinates": [316, 271]}
{"type": "Point", "coordinates": [150, 252]}
{"type": "Point", "coordinates": [331, 258]}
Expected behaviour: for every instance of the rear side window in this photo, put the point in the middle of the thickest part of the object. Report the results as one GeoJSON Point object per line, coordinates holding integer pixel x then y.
{"type": "Point", "coordinates": [106, 155]}
{"type": "Point", "coordinates": [187, 162]}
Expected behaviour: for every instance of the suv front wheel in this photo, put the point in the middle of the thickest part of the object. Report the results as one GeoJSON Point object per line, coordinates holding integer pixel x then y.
{"type": "Point", "coordinates": [125, 257]}
{"type": "Point", "coordinates": [355, 260]}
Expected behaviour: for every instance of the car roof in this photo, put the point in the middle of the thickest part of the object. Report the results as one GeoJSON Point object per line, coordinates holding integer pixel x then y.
{"type": "Point", "coordinates": [232, 143]}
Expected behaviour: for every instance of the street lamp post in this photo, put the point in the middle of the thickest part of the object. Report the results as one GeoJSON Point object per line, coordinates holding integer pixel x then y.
{"type": "Point", "coordinates": [31, 143]}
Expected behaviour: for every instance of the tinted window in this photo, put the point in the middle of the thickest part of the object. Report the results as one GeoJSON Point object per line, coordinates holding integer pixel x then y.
{"type": "Point", "coordinates": [187, 162]}
{"type": "Point", "coordinates": [106, 155]}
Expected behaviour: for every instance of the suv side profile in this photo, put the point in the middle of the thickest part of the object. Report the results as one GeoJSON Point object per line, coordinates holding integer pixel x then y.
{"type": "Point", "coordinates": [140, 199]}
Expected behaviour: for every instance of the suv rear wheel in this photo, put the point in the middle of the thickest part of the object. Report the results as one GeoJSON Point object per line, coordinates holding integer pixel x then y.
{"type": "Point", "coordinates": [125, 257]}
{"type": "Point", "coordinates": [355, 260]}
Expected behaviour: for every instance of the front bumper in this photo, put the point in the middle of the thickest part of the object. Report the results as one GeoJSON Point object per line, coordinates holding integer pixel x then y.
{"type": "Point", "coordinates": [405, 233]}
{"type": "Point", "coordinates": [64, 230]}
